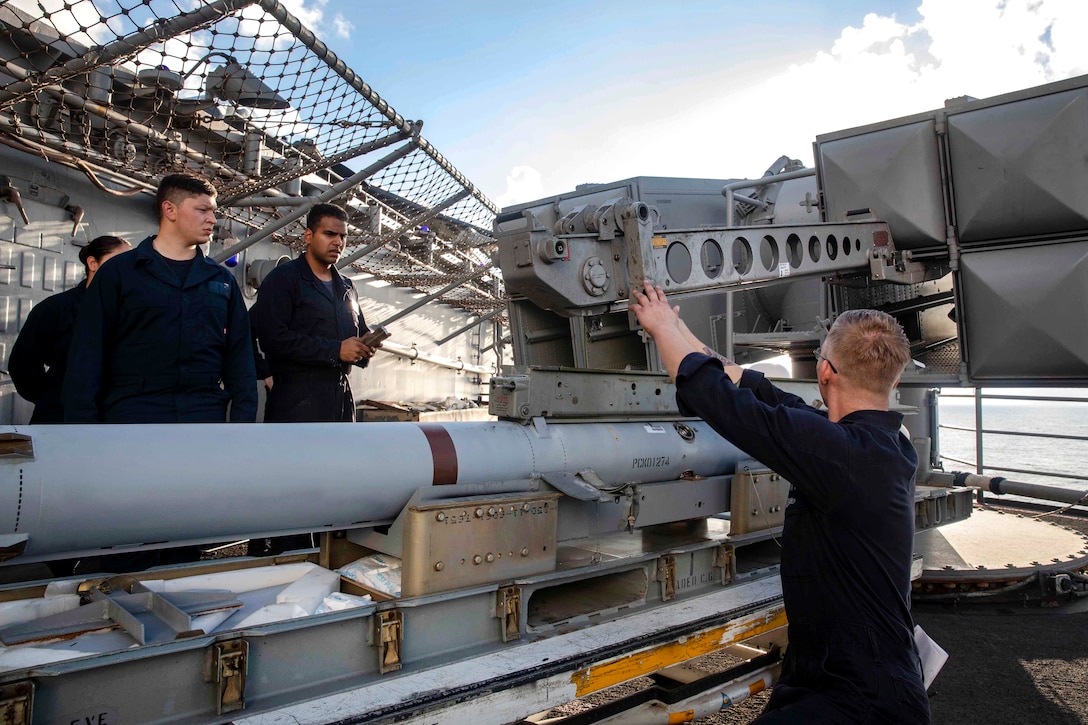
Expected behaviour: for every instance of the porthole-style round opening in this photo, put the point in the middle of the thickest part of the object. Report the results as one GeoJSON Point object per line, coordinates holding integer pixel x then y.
{"type": "Point", "coordinates": [742, 256]}
{"type": "Point", "coordinates": [768, 253]}
{"type": "Point", "coordinates": [712, 259]}
{"type": "Point", "coordinates": [794, 255]}
{"type": "Point", "coordinates": [678, 262]}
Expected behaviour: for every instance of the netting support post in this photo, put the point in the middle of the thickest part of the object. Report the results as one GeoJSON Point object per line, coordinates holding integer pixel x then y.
{"type": "Point", "coordinates": [328, 195]}
{"type": "Point", "coordinates": [410, 224]}
{"type": "Point", "coordinates": [466, 328]}
{"type": "Point", "coordinates": [435, 295]}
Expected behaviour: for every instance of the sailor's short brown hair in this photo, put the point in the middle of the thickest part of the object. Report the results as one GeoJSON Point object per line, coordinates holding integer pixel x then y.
{"type": "Point", "coordinates": [175, 187]}
{"type": "Point", "coordinates": [869, 348]}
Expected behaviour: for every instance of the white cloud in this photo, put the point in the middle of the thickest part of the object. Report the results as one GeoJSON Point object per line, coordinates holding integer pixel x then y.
{"type": "Point", "coordinates": [1070, 52]}
{"type": "Point", "coordinates": [343, 26]}
{"type": "Point", "coordinates": [310, 12]}
{"type": "Point", "coordinates": [885, 69]}
{"type": "Point", "coordinates": [975, 47]}
{"type": "Point", "coordinates": [312, 15]}
{"type": "Point", "coordinates": [668, 110]}
{"type": "Point", "coordinates": [523, 183]}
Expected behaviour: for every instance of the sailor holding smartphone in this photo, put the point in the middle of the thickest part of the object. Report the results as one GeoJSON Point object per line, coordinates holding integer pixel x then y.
{"type": "Point", "coordinates": [309, 325]}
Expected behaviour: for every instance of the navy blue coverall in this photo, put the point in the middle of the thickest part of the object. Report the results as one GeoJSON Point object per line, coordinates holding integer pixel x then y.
{"type": "Point", "coordinates": [39, 356]}
{"type": "Point", "coordinates": [847, 545]}
{"type": "Point", "coordinates": [148, 348]}
{"type": "Point", "coordinates": [299, 325]}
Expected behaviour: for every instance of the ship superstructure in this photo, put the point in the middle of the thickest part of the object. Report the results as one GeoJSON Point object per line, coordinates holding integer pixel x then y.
{"type": "Point", "coordinates": [96, 106]}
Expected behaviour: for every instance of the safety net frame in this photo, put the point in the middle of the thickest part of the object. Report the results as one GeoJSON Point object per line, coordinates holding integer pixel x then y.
{"type": "Point", "coordinates": [240, 92]}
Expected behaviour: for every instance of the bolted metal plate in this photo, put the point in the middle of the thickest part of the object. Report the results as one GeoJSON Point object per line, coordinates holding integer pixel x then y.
{"type": "Point", "coordinates": [570, 393]}
{"type": "Point", "coordinates": [478, 540]}
{"type": "Point", "coordinates": [758, 501]}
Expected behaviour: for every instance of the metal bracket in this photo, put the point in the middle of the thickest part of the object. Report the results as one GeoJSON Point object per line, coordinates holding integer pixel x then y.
{"type": "Point", "coordinates": [226, 664]}
{"type": "Point", "coordinates": [509, 612]}
{"type": "Point", "coordinates": [637, 221]}
{"type": "Point", "coordinates": [725, 563]}
{"type": "Point", "coordinates": [16, 703]}
{"type": "Point", "coordinates": [891, 266]}
{"type": "Point", "coordinates": [666, 574]}
{"type": "Point", "coordinates": [10, 194]}
{"type": "Point", "coordinates": [633, 494]}
{"type": "Point", "coordinates": [16, 445]}
{"type": "Point", "coordinates": [582, 486]}
{"type": "Point", "coordinates": [389, 636]}
{"type": "Point", "coordinates": [11, 546]}
{"type": "Point", "coordinates": [758, 499]}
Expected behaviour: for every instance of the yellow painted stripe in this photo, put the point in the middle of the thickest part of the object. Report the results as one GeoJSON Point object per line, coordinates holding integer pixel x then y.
{"type": "Point", "coordinates": [758, 686]}
{"type": "Point", "coordinates": [606, 674]}
{"type": "Point", "coordinates": [677, 718]}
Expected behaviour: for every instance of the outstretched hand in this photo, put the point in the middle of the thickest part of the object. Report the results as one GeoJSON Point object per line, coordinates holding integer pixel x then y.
{"type": "Point", "coordinates": [663, 324]}
{"type": "Point", "coordinates": [653, 311]}
{"type": "Point", "coordinates": [673, 338]}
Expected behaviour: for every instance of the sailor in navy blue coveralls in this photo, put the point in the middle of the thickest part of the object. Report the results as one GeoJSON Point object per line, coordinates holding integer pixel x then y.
{"type": "Point", "coordinates": [39, 356]}
{"type": "Point", "coordinates": [163, 333]}
{"type": "Point", "coordinates": [148, 348]}
{"type": "Point", "coordinates": [308, 323]}
{"type": "Point", "coordinates": [300, 323]}
{"type": "Point", "coordinates": [847, 541]}
{"type": "Point", "coordinates": [40, 353]}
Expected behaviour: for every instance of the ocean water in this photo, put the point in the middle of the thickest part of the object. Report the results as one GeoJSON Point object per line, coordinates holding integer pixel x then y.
{"type": "Point", "coordinates": [1041, 454]}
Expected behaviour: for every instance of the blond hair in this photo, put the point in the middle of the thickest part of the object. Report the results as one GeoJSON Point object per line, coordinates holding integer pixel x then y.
{"type": "Point", "coordinates": [869, 348]}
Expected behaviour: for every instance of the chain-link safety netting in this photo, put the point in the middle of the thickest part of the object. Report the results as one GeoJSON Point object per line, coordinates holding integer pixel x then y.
{"type": "Point", "coordinates": [241, 93]}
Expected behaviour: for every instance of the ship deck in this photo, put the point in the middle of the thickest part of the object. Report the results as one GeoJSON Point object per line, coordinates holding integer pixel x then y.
{"type": "Point", "coordinates": [1009, 662]}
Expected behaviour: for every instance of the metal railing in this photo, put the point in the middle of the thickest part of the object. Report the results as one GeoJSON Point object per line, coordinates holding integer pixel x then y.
{"type": "Point", "coordinates": [981, 431]}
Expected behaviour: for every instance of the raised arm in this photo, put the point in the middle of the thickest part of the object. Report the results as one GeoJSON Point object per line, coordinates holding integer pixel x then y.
{"type": "Point", "coordinates": [673, 338]}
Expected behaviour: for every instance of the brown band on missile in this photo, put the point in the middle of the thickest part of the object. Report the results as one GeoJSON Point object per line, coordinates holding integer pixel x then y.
{"type": "Point", "coordinates": [443, 453]}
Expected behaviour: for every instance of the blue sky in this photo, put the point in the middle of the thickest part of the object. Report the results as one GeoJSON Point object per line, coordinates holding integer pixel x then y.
{"type": "Point", "coordinates": [531, 99]}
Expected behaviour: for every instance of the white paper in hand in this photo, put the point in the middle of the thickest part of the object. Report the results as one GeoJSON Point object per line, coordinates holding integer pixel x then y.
{"type": "Point", "coordinates": [932, 655]}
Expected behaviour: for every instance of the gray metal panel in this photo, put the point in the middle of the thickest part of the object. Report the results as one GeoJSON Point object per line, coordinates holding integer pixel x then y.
{"type": "Point", "coordinates": [331, 655]}
{"type": "Point", "coordinates": [893, 171]}
{"type": "Point", "coordinates": [1026, 327]}
{"type": "Point", "coordinates": [1021, 168]}
{"type": "Point", "coordinates": [539, 337]}
{"type": "Point", "coordinates": [680, 202]}
{"type": "Point", "coordinates": [683, 203]}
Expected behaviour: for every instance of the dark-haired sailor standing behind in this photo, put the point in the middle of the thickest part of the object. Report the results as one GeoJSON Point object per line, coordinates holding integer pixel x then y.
{"type": "Point", "coordinates": [39, 356]}
{"type": "Point", "coordinates": [308, 323]}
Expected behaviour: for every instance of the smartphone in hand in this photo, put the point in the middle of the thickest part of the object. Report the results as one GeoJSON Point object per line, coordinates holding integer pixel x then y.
{"type": "Point", "coordinates": [375, 336]}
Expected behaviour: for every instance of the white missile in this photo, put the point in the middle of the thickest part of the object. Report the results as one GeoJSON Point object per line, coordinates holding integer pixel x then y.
{"type": "Point", "coordinates": [79, 489]}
